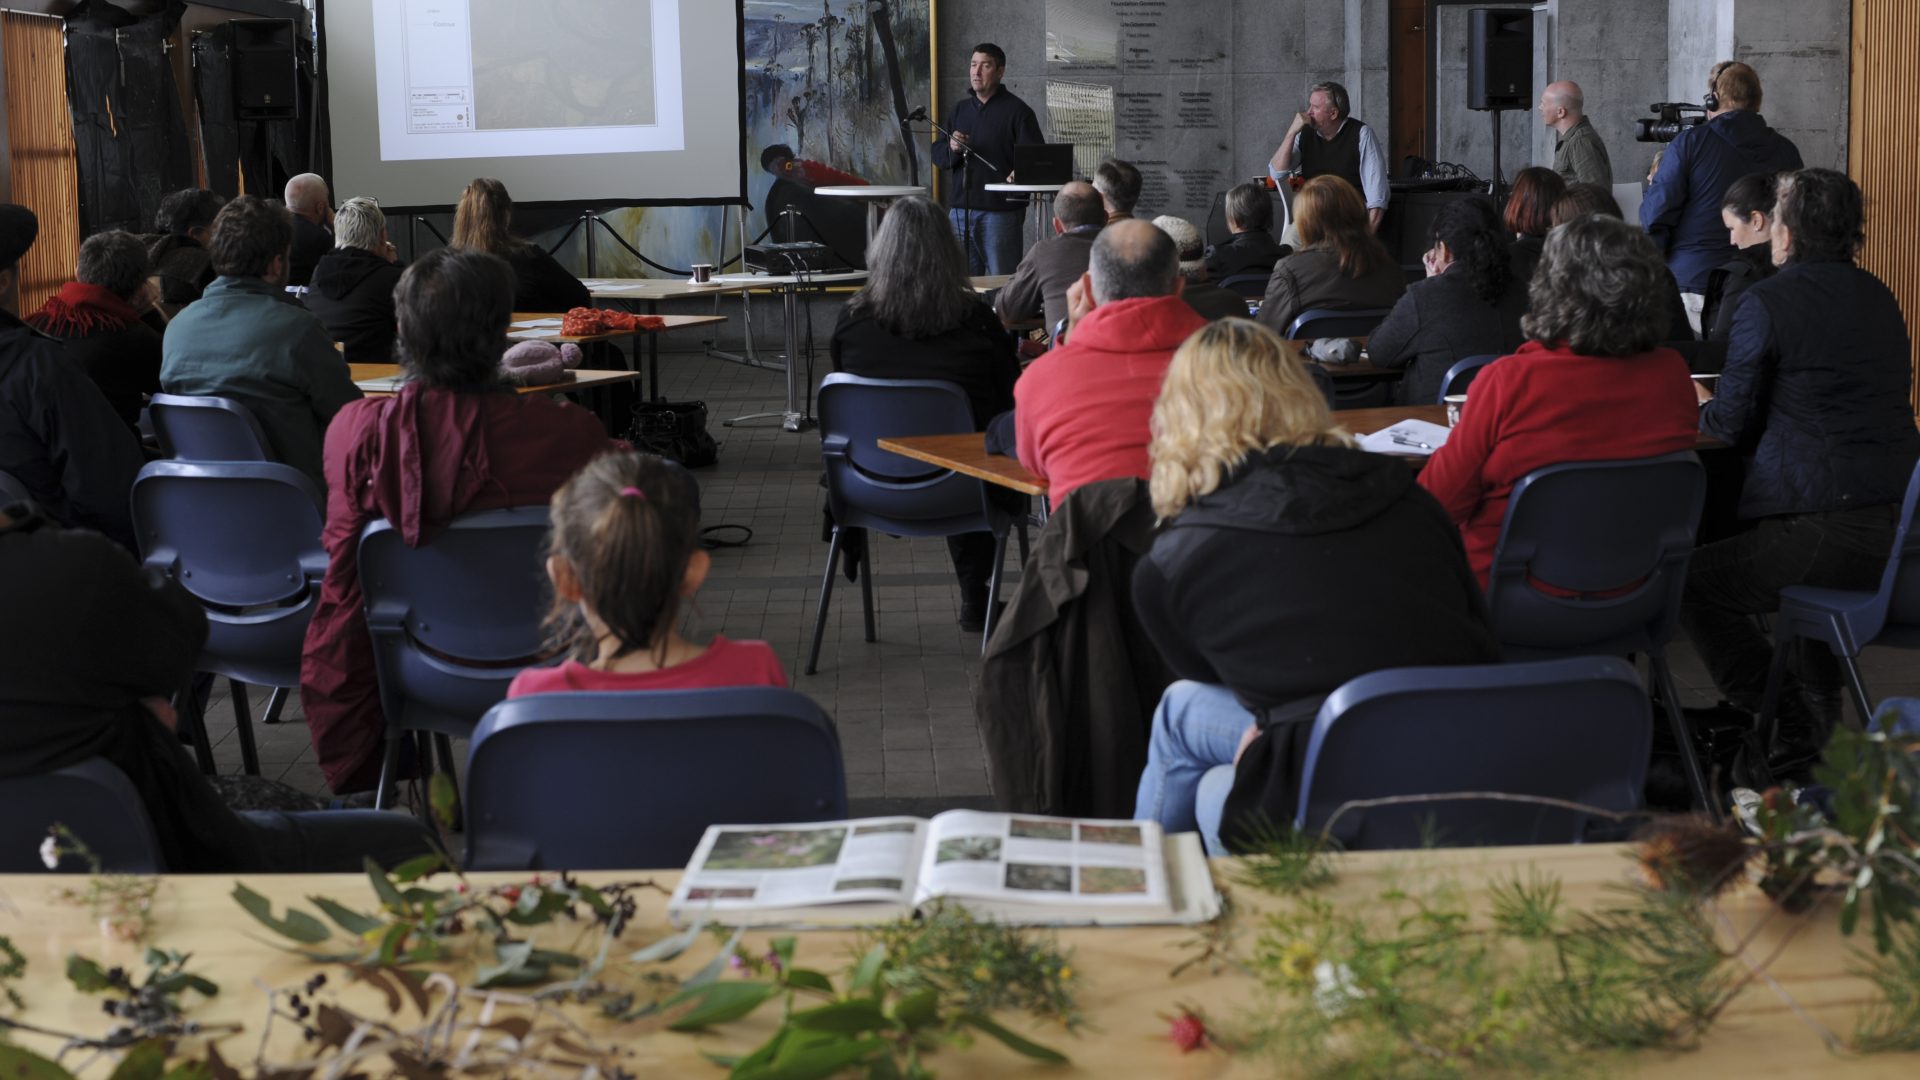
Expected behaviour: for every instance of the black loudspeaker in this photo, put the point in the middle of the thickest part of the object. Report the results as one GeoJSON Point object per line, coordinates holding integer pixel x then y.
{"type": "Point", "coordinates": [1499, 59]}
{"type": "Point", "coordinates": [265, 73]}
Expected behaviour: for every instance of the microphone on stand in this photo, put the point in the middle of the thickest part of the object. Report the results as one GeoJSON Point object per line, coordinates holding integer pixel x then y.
{"type": "Point", "coordinates": [919, 113]}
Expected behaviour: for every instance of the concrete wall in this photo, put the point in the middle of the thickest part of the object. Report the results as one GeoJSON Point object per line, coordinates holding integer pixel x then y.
{"type": "Point", "coordinates": [1619, 54]}
{"type": "Point", "coordinates": [1801, 48]}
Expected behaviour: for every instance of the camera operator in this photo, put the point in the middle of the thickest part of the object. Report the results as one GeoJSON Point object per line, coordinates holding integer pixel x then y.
{"type": "Point", "coordinates": [1682, 207]}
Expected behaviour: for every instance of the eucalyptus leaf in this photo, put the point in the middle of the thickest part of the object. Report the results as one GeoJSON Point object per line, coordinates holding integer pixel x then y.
{"type": "Point", "coordinates": [718, 964]}
{"type": "Point", "coordinates": [298, 925]}
{"type": "Point", "coordinates": [868, 970]}
{"type": "Point", "coordinates": [718, 1002]}
{"type": "Point", "coordinates": [418, 867]}
{"type": "Point", "coordinates": [509, 956]}
{"type": "Point", "coordinates": [672, 945]}
{"type": "Point", "coordinates": [345, 917]}
{"type": "Point", "coordinates": [383, 886]}
{"type": "Point", "coordinates": [146, 1061]}
{"type": "Point", "coordinates": [845, 1017]}
{"type": "Point", "coordinates": [1013, 1042]}
{"type": "Point", "coordinates": [808, 979]}
{"type": "Point", "coordinates": [18, 1063]}
{"type": "Point", "coordinates": [815, 1061]}
{"type": "Point", "coordinates": [918, 1009]}
{"type": "Point", "coordinates": [85, 975]}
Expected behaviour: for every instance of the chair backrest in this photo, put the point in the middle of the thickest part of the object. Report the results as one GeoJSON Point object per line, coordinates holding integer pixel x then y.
{"type": "Point", "coordinates": [867, 486]}
{"type": "Point", "coordinates": [12, 490]}
{"type": "Point", "coordinates": [1251, 286]}
{"type": "Point", "coordinates": [1617, 534]}
{"type": "Point", "coordinates": [1576, 729]}
{"type": "Point", "coordinates": [1461, 375]}
{"type": "Point", "coordinates": [207, 429]}
{"type": "Point", "coordinates": [237, 534]}
{"type": "Point", "coordinates": [95, 801]}
{"type": "Point", "coordinates": [541, 768]}
{"type": "Point", "coordinates": [455, 619]}
{"type": "Point", "coordinates": [1325, 322]}
{"type": "Point", "coordinates": [1898, 600]}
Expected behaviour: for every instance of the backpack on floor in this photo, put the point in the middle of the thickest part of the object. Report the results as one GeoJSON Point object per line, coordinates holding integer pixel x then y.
{"type": "Point", "coordinates": [675, 430]}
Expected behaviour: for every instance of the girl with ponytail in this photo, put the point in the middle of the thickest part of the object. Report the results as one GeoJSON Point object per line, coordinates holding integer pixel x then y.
{"type": "Point", "coordinates": [1469, 305]}
{"type": "Point", "coordinates": [625, 559]}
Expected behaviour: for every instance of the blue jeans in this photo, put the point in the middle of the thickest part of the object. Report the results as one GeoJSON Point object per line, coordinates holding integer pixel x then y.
{"type": "Point", "coordinates": [1196, 729]}
{"type": "Point", "coordinates": [995, 245]}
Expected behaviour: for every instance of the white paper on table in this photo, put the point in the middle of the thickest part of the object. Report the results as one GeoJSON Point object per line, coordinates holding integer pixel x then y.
{"type": "Point", "coordinates": [611, 287]}
{"type": "Point", "coordinates": [529, 324]}
{"type": "Point", "coordinates": [1416, 437]}
{"type": "Point", "coordinates": [528, 335]}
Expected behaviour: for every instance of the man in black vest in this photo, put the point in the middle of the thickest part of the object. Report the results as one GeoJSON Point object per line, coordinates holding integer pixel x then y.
{"type": "Point", "coordinates": [1340, 145]}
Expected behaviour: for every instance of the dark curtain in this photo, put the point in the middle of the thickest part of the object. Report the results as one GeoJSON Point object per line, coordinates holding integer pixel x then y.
{"type": "Point", "coordinates": [213, 92]}
{"type": "Point", "coordinates": [271, 151]}
{"type": "Point", "coordinates": [129, 134]}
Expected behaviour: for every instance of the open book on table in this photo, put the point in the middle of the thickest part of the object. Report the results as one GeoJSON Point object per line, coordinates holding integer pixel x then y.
{"type": "Point", "coordinates": [1018, 867]}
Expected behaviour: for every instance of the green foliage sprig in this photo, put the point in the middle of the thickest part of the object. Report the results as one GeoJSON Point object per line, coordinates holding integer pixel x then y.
{"type": "Point", "coordinates": [13, 965]}
{"type": "Point", "coordinates": [122, 903]}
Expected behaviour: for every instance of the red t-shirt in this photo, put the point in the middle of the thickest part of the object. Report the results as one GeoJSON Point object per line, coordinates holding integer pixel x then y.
{"type": "Point", "coordinates": [725, 663]}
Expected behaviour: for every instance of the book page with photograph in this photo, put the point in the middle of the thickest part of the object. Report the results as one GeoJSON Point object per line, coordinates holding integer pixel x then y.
{"type": "Point", "coordinates": [789, 867]}
{"type": "Point", "coordinates": [1014, 860]}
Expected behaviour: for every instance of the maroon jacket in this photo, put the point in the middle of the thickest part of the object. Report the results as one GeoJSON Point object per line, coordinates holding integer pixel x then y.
{"type": "Point", "coordinates": [418, 459]}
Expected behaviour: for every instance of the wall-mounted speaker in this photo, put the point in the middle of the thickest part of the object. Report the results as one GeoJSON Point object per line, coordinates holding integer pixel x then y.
{"type": "Point", "coordinates": [1499, 59]}
{"type": "Point", "coordinates": [266, 75]}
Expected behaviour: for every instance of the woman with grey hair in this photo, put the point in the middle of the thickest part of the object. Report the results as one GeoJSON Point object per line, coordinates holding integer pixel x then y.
{"type": "Point", "coordinates": [918, 317]}
{"type": "Point", "coordinates": [105, 316]}
{"type": "Point", "coordinates": [1592, 382]}
{"type": "Point", "coordinates": [352, 287]}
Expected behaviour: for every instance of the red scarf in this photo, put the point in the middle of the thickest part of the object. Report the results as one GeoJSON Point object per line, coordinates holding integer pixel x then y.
{"type": "Point", "coordinates": [79, 310]}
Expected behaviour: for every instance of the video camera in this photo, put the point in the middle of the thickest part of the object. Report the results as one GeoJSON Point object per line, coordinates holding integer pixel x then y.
{"type": "Point", "coordinates": [1669, 120]}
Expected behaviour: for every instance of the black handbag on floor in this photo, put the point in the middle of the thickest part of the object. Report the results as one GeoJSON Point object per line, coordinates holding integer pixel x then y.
{"type": "Point", "coordinates": [675, 430]}
{"type": "Point", "coordinates": [1727, 741]}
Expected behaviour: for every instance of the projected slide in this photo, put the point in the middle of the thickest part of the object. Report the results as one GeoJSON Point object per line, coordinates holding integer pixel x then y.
{"type": "Point", "coordinates": [504, 78]}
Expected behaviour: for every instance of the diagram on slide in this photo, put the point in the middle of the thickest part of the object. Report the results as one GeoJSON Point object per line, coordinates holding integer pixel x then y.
{"type": "Point", "coordinates": [472, 78]}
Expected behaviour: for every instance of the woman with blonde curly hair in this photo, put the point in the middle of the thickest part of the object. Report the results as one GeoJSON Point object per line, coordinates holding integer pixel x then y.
{"type": "Point", "coordinates": [1288, 562]}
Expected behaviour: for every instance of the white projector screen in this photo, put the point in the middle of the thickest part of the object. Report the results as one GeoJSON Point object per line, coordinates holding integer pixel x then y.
{"type": "Point", "coordinates": [574, 102]}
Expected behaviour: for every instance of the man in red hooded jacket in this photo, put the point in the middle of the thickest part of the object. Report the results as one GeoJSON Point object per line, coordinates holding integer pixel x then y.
{"type": "Point", "coordinates": [1081, 411]}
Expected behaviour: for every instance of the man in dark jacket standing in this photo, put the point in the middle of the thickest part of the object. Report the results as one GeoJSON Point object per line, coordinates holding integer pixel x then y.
{"type": "Point", "coordinates": [1682, 207]}
{"type": "Point", "coordinates": [1814, 397]}
{"type": "Point", "coordinates": [59, 438]}
{"type": "Point", "coordinates": [352, 287]}
{"type": "Point", "coordinates": [984, 127]}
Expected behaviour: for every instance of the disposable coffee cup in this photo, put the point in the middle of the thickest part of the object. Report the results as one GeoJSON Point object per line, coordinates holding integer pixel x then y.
{"type": "Point", "coordinates": [702, 273]}
{"type": "Point", "coordinates": [1455, 402]}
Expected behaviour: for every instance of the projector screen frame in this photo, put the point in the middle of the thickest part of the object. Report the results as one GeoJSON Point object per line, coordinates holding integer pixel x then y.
{"type": "Point", "coordinates": [323, 109]}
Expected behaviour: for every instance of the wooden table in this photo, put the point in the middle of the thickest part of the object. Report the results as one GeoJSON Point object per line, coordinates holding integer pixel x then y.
{"type": "Point", "coordinates": [583, 379]}
{"type": "Point", "coordinates": [967, 454]}
{"type": "Point", "coordinates": [1123, 974]}
{"type": "Point", "coordinates": [673, 322]}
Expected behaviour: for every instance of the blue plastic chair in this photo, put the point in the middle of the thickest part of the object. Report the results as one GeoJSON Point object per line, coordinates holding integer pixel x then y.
{"type": "Point", "coordinates": [1461, 375]}
{"type": "Point", "coordinates": [1618, 534]}
{"type": "Point", "coordinates": [1325, 322]}
{"type": "Point", "coordinates": [452, 622]}
{"type": "Point", "coordinates": [1578, 730]}
{"type": "Point", "coordinates": [1848, 620]}
{"type": "Point", "coordinates": [243, 538]}
{"type": "Point", "coordinates": [95, 801]}
{"type": "Point", "coordinates": [12, 490]}
{"type": "Point", "coordinates": [207, 429]}
{"type": "Point", "coordinates": [541, 769]}
{"type": "Point", "coordinates": [868, 488]}
{"type": "Point", "coordinates": [1252, 286]}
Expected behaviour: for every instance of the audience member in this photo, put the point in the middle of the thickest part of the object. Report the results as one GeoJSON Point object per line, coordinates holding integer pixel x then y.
{"type": "Point", "coordinates": [352, 287]}
{"type": "Point", "coordinates": [90, 650]}
{"type": "Point", "coordinates": [483, 222]}
{"type": "Point", "coordinates": [58, 435]}
{"type": "Point", "coordinates": [1118, 183]}
{"type": "Point", "coordinates": [1682, 206]}
{"type": "Point", "coordinates": [1210, 300]}
{"type": "Point", "coordinates": [100, 316]}
{"type": "Point", "coordinates": [1038, 288]}
{"type": "Point", "coordinates": [1529, 216]}
{"type": "Point", "coordinates": [1815, 399]}
{"type": "Point", "coordinates": [311, 204]}
{"type": "Point", "coordinates": [1083, 407]}
{"type": "Point", "coordinates": [179, 256]}
{"type": "Point", "coordinates": [1251, 248]}
{"type": "Point", "coordinates": [1340, 264]}
{"type": "Point", "coordinates": [1280, 545]}
{"type": "Point", "coordinates": [1340, 146]}
{"type": "Point", "coordinates": [918, 318]}
{"type": "Point", "coordinates": [1590, 384]}
{"type": "Point", "coordinates": [1469, 305]}
{"type": "Point", "coordinates": [454, 440]}
{"type": "Point", "coordinates": [246, 341]}
{"type": "Point", "coordinates": [626, 559]}
{"type": "Point", "coordinates": [1583, 199]}
{"type": "Point", "coordinates": [983, 127]}
{"type": "Point", "coordinates": [1747, 211]}
{"type": "Point", "coordinates": [1579, 155]}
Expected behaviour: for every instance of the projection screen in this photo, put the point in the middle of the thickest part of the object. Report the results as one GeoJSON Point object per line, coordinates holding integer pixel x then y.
{"type": "Point", "coordinates": [575, 102]}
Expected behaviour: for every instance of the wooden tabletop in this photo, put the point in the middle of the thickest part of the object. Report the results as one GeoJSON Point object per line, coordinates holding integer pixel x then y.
{"type": "Point", "coordinates": [967, 454]}
{"type": "Point", "coordinates": [1123, 976]}
{"type": "Point", "coordinates": [673, 322]}
{"type": "Point", "coordinates": [583, 379]}
{"type": "Point", "coordinates": [680, 288]}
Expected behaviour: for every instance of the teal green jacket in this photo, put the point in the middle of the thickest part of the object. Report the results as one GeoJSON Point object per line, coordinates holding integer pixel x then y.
{"type": "Point", "coordinates": [242, 340]}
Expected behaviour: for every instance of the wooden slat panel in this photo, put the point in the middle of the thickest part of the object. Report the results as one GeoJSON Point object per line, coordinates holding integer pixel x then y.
{"type": "Point", "coordinates": [40, 142]}
{"type": "Point", "coordinates": [1881, 156]}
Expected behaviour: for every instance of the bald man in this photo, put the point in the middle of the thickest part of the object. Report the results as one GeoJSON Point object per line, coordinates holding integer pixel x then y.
{"type": "Point", "coordinates": [312, 205]}
{"type": "Point", "coordinates": [1579, 155]}
{"type": "Point", "coordinates": [1038, 288]}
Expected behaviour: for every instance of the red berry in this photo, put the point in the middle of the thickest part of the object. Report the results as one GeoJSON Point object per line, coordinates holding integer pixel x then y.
{"type": "Point", "coordinates": [511, 894]}
{"type": "Point", "coordinates": [1188, 1033]}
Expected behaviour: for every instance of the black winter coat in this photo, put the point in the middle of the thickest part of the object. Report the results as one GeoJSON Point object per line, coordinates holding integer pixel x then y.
{"type": "Point", "coordinates": [352, 294]}
{"type": "Point", "coordinates": [1308, 567]}
{"type": "Point", "coordinates": [1815, 392]}
{"type": "Point", "coordinates": [977, 356]}
{"type": "Point", "coordinates": [1439, 322]}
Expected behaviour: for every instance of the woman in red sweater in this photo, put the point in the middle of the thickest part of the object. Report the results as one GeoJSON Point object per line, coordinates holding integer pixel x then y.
{"type": "Point", "coordinates": [1590, 384]}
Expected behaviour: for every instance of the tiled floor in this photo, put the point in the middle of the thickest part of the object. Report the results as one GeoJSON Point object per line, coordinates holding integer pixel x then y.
{"type": "Point", "coordinates": [904, 704]}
